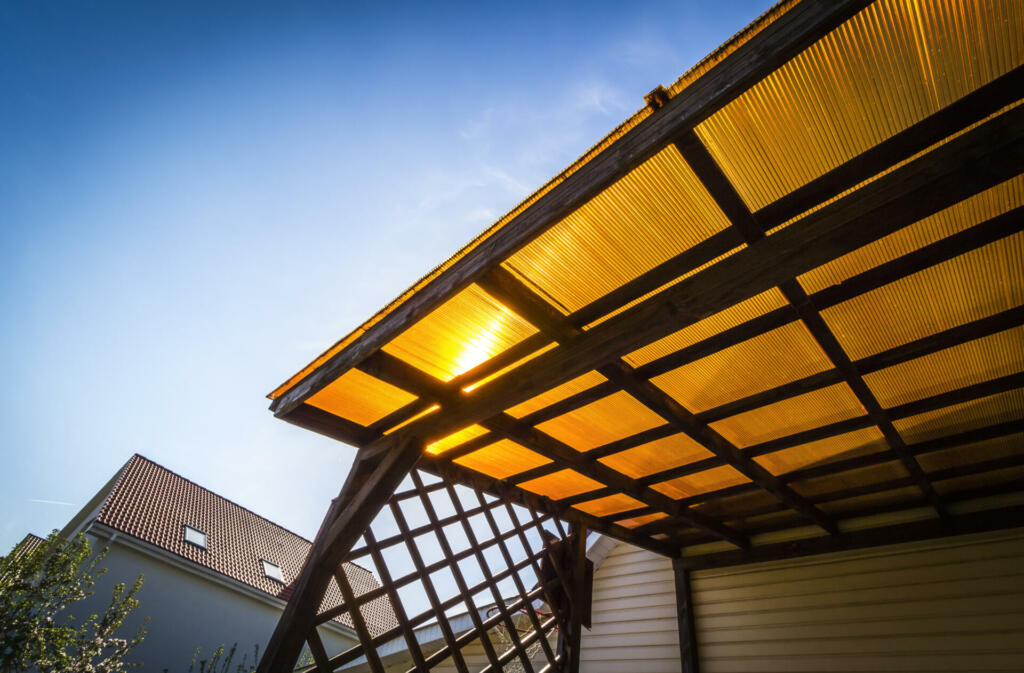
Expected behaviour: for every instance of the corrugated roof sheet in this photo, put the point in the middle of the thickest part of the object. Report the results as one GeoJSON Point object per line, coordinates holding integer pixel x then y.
{"type": "Point", "coordinates": [761, 373]}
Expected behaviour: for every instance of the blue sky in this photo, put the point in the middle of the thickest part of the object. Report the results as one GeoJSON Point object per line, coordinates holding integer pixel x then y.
{"type": "Point", "coordinates": [198, 198]}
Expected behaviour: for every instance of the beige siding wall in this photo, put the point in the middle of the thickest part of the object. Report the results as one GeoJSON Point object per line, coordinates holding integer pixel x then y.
{"type": "Point", "coordinates": [955, 604]}
{"type": "Point", "coordinates": [634, 615]}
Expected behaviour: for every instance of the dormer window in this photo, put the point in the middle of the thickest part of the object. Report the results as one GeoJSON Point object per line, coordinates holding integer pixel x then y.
{"type": "Point", "coordinates": [273, 571]}
{"type": "Point", "coordinates": [195, 536]}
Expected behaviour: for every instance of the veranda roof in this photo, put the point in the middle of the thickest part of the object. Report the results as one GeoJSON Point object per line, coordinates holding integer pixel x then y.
{"type": "Point", "coordinates": [783, 299]}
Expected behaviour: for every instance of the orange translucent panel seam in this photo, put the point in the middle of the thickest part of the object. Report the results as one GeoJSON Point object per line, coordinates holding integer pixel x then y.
{"type": "Point", "coordinates": [652, 214]}
{"type": "Point", "coordinates": [468, 329]}
{"type": "Point", "coordinates": [963, 417]}
{"type": "Point", "coordinates": [734, 315]}
{"type": "Point", "coordinates": [980, 360]}
{"type": "Point", "coordinates": [888, 67]}
{"type": "Point", "coordinates": [557, 394]}
{"type": "Point", "coordinates": [561, 484]}
{"type": "Point", "coordinates": [966, 288]}
{"type": "Point", "coordinates": [502, 459]}
{"type": "Point", "coordinates": [613, 504]}
{"type": "Point", "coordinates": [857, 443]}
{"type": "Point", "coordinates": [958, 217]}
{"type": "Point", "coordinates": [360, 398]}
{"type": "Point", "coordinates": [426, 412]}
{"type": "Point", "coordinates": [456, 438]}
{"type": "Point", "coordinates": [792, 415]}
{"type": "Point", "coordinates": [764, 362]}
{"type": "Point", "coordinates": [661, 454]}
{"type": "Point", "coordinates": [504, 370]}
{"type": "Point", "coordinates": [714, 479]}
{"type": "Point", "coordinates": [999, 447]}
{"type": "Point", "coordinates": [606, 420]}
{"type": "Point", "coordinates": [641, 520]}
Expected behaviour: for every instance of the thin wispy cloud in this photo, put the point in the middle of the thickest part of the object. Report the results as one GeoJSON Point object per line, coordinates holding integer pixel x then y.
{"type": "Point", "coordinates": [53, 502]}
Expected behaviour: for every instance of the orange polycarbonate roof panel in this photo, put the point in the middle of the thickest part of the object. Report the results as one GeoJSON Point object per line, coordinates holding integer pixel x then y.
{"type": "Point", "coordinates": [735, 315]}
{"type": "Point", "coordinates": [561, 484]}
{"type": "Point", "coordinates": [502, 459]}
{"type": "Point", "coordinates": [661, 454]}
{"type": "Point", "coordinates": [360, 398]}
{"type": "Point", "coordinates": [857, 443]}
{"type": "Point", "coordinates": [764, 362]}
{"type": "Point", "coordinates": [456, 438]}
{"type": "Point", "coordinates": [792, 415]}
{"type": "Point", "coordinates": [832, 483]}
{"type": "Point", "coordinates": [963, 417]}
{"type": "Point", "coordinates": [470, 328]}
{"type": "Point", "coordinates": [969, 287]}
{"type": "Point", "coordinates": [714, 479]}
{"type": "Point", "coordinates": [990, 449]}
{"type": "Point", "coordinates": [980, 360]}
{"type": "Point", "coordinates": [608, 419]}
{"type": "Point", "coordinates": [557, 394]}
{"type": "Point", "coordinates": [888, 67]}
{"type": "Point", "coordinates": [635, 521]}
{"type": "Point", "coordinates": [594, 250]}
{"type": "Point", "coordinates": [612, 504]}
{"type": "Point", "coordinates": [958, 217]}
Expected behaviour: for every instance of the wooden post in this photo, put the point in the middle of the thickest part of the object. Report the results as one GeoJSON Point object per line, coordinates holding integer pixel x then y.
{"type": "Point", "coordinates": [368, 487]}
{"type": "Point", "coordinates": [684, 608]}
{"type": "Point", "coordinates": [578, 540]}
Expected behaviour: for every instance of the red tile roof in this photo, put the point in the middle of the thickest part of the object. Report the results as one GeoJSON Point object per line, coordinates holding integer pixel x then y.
{"type": "Point", "coordinates": [153, 504]}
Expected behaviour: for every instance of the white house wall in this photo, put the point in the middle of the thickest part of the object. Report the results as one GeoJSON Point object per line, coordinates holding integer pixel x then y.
{"type": "Point", "coordinates": [954, 604]}
{"type": "Point", "coordinates": [634, 615]}
{"type": "Point", "coordinates": [186, 611]}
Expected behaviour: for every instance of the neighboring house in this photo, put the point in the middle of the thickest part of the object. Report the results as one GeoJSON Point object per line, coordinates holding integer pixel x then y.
{"type": "Point", "coordinates": [215, 572]}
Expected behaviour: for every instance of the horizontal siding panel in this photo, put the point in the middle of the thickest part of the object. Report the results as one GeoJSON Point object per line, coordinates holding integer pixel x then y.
{"type": "Point", "coordinates": [616, 666]}
{"type": "Point", "coordinates": [945, 572]}
{"type": "Point", "coordinates": [839, 596]}
{"type": "Point", "coordinates": [989, 662]}
{"type": "Point", "coordinates": [634, 615]}
{"type": "Point", "coordinates": [630, 654]}
{"type": "Point", "coordinates": [797, 645]}
{"type": "Point", "coordinates": [842, 564]}
{"type": "Point", "coordinates": [610, 612]}
{"type": "Point", "coordinates": [1009, 605]}
{"type": "Point", "coordinates": [947, 605]}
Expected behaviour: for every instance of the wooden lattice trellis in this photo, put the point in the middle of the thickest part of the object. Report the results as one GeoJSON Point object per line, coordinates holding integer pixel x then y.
{"type": "Point", "coordinates": [447, 537]}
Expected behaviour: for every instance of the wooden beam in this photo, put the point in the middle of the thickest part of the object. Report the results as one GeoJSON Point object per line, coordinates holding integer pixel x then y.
{"type": "Point", "coordinates": [684, 615]}
{"type": "Point", "coordinates": [774, 45]}
{"type": "Point", "coordinates": [397, 372]}
{"type": "Point", "coordinates": [988, 520]}
{"type": "Point", "coordinates": [729, 200]}
{"type": "Point", "coordinates": [524, 301]}
{"type": "Point", "coordinates": [972, 162]}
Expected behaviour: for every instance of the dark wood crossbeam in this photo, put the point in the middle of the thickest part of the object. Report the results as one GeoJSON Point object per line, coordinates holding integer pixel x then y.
{"type": "Point", "coordinates": [398, 372]}
{"type": "Point", "coordinates": [949, 442]}
{"type": "Point", "coordinates": [977, 522]}
{"type": "Point", "coordinates": [524, 301]}
{"type": "Point", "coordinates": [835, 468]}
{"type": "Point", "coordinates": [729, 200]}
{"type": "Point", "coordinates": [505, 491]}
{"type": "Point", "coordinates": [976, 160]}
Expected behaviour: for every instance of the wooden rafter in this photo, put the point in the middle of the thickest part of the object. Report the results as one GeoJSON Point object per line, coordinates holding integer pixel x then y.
{"type": "Point", "coordinates": [730, 202]}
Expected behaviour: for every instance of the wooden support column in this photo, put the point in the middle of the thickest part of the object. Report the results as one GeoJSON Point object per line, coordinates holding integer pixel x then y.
{"type": "Point", "coordinates": [578, 556]}
{"type": "Point", "coordinates": [368, 487]}
{"type": "Point", "coordinates": [687, 629]}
